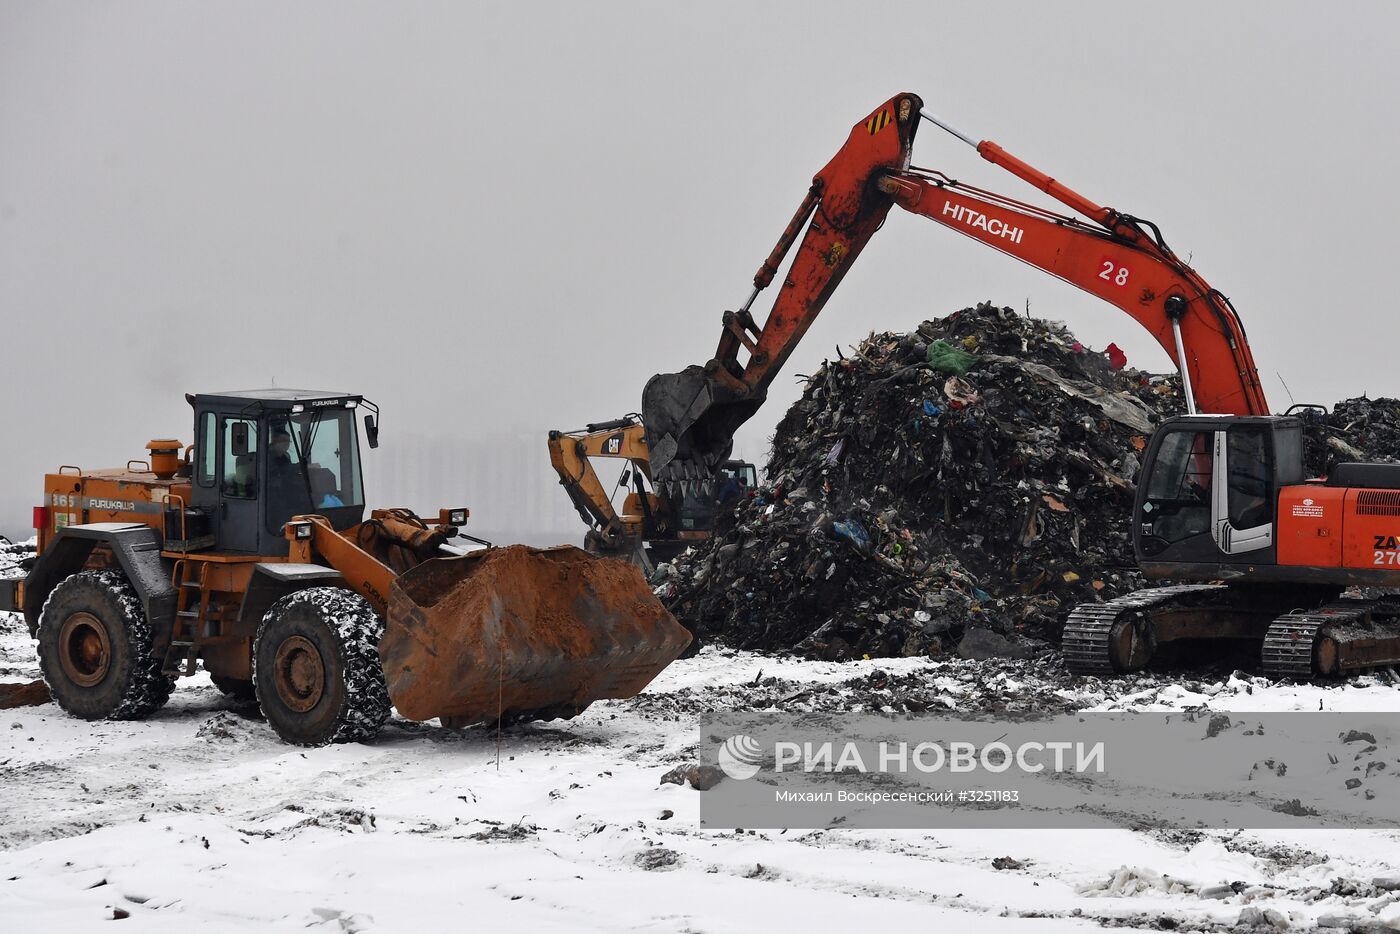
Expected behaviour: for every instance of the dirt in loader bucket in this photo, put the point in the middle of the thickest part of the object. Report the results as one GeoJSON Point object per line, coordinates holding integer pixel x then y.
{"type": "Point", "coordinates": [515, 631]}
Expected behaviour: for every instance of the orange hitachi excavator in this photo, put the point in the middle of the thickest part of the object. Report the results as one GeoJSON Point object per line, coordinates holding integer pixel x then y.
{"type": "Point", "coordinates": [1257, 551]}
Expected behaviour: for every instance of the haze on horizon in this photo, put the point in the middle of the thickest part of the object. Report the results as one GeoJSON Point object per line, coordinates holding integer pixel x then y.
{"type": "Point", "coordinates": [496, 219]}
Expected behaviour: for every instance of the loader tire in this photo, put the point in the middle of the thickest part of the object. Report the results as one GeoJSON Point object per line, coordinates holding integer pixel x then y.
{"type": "Point", "coordinates": [95, 649]}
{"type": "Point", "coordinates": [316, 668]}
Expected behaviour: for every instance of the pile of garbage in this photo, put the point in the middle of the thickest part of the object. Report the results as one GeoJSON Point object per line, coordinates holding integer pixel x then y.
{"type": "Point", "coordinates": [952, 489]}
{"type": "Point", "coordinates": [14, 558]}
{"type": "Point", "coordinates": [1357, 429]}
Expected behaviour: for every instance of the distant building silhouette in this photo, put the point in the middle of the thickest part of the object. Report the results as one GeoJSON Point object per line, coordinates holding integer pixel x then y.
{"type": "Point", "coordinates": [505, 478]}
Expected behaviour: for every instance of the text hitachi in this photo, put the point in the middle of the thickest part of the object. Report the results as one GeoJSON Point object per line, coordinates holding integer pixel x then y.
{"type": "Point", "coordinates": [994, 226]}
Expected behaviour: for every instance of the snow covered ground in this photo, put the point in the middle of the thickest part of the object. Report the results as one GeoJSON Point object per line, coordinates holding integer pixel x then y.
{"type": "Point", "coordinates": [200, 816]}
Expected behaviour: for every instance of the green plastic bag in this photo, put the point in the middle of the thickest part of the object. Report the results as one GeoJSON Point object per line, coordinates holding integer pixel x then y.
{"type": "Point", "coordinates": [943, 357]}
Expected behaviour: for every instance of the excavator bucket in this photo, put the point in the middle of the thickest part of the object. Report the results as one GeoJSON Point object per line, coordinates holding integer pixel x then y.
{"type": "Point", "coordinates": [690, 419]}
{"type": "Point", "coordinates": [521, 632]}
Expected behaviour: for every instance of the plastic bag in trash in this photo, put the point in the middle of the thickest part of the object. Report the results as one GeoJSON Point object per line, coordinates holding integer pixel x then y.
{"type": "Point", "coordinates": [943, 357]}
{"type": "Point", "coordinates": [854, 532]}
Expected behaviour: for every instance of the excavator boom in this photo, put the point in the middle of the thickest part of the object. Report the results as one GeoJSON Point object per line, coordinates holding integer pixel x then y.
{"type": "Point", "coordinates": [691, 416]}
{"type": "Point", "coordinates": [1176, 305]}
{"type": "Point", "coordinates": [1140, 276]}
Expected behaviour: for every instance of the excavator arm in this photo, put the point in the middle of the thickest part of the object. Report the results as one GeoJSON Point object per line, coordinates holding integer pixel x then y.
{"type": "Point", "coordinates": [691, 416]}
{"type": "Point", "coordinates": [572, 452]}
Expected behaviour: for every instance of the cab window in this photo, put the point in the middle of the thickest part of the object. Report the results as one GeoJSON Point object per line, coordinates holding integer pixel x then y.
{"type": "Point", "coordinates": [1250, 480]}
{"type": "Point", "coordinates": [238, 441]}
{"type": "Point", "coordinates": [744, 474]}
{"type": "Point", "coordinates": [313, 465]}
{"type": "Point", "coordinates": [1178, 503]}
{"type": "Point", "coordinates": [208, 434]}
{"type": "Point", "coordinates": [736, 479]}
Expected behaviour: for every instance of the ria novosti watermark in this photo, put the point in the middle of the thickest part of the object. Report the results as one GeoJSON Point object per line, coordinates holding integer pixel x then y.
{"type": "Point", "coordinates": [1196, 769]}
{"type": "Point", "coordinates": [928, 757]}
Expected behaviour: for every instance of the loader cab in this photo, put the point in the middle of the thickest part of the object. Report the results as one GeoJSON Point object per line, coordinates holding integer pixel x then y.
{"type": "Point", "coordinates": [1208, 493]}
{"type": "Point", "coordinates": [264, 456]}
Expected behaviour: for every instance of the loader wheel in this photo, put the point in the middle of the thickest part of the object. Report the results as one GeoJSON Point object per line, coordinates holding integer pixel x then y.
{"type": "Point", "coordinates": [95, 649]}
{"type": "Point", "coordinates": [316, 668]}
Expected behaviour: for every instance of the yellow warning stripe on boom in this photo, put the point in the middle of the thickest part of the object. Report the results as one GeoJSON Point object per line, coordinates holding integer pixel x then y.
{"type": "Point", "coordinates": [878, 122]}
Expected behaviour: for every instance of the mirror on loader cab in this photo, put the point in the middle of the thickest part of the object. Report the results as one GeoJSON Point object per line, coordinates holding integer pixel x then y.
{"type": "Point", "coordinates": [371, 430]}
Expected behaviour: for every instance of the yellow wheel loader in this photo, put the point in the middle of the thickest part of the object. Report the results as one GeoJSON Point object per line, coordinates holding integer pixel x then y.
{"type": "Point", "coordinates": [251, 551]}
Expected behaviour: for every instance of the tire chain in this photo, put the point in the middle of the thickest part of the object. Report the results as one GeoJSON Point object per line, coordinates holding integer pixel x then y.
{"type": "Point", "coordinates": [149, 688]}
{"type": "Point", "coordinates": [359, 630]}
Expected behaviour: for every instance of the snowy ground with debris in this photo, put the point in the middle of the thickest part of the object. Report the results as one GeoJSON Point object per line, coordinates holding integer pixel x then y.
{"type": "Point", "coordinates": [200, 816]}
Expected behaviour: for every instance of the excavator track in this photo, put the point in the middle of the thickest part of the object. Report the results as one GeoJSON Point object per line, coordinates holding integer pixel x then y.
{"type": "Point", "coordinates": [1088, 633]}
{"type": "Point", "coordinates": [1338, 638]}
{"type": "Point", "coordinates": [1289, 644]}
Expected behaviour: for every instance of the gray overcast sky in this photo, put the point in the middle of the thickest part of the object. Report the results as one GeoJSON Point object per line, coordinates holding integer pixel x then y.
{"type": "Point", "coordinates": [502, 218]}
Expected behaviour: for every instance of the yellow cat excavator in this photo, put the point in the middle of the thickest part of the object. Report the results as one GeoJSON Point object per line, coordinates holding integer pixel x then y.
{"type": "Point", "coordinates": [650, 528]}
{"type": "Point", "coordinates": [252, 552]}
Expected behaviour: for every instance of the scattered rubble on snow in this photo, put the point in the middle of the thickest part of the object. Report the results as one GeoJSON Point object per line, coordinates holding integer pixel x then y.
{"type": "Point", "coordinates": [15, 557]}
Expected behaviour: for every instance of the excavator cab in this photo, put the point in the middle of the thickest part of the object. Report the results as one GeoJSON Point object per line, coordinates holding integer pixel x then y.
{"type": "Point", "coordinates": [695, 506]}
{"type": "Point", "coordinates": [1208, 493]}
{"type": "Point", "coordinates": [735, 480]}
{"type": "Point", "coordinates": [1257, 554]}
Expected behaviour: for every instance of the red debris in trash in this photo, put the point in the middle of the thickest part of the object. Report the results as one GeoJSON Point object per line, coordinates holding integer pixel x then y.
{"type": "Point", "coordinates": [1116, 357]}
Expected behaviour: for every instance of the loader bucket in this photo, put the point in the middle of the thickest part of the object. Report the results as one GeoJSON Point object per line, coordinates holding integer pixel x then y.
{"type": "Point", "coordinates": [516, 630]}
